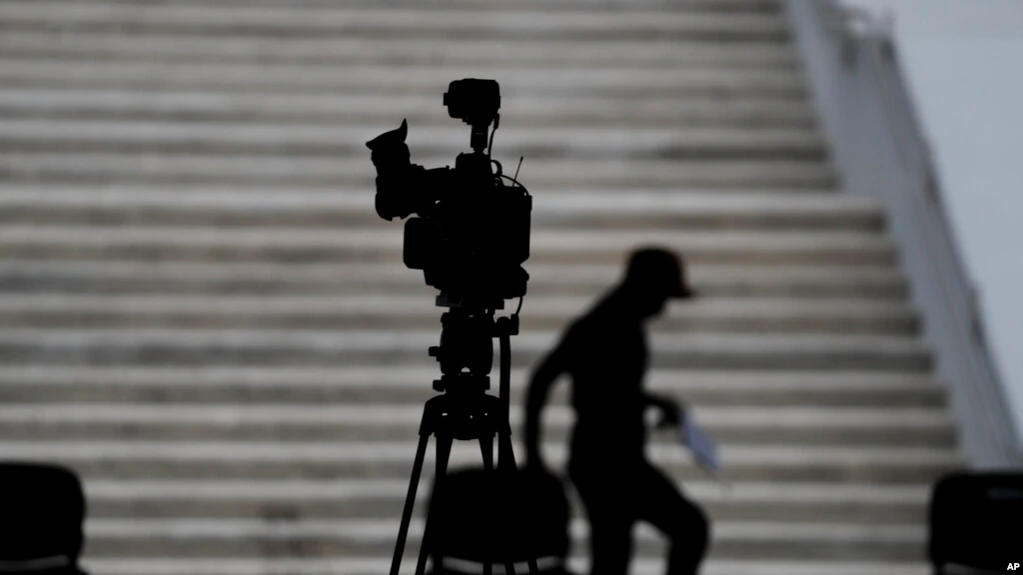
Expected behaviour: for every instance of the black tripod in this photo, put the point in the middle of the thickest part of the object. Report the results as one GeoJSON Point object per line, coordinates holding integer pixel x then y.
{"type": "Point", "coordinates": [465, 411]}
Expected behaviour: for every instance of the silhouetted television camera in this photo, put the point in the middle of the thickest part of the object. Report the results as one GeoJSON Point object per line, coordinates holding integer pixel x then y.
{"type": "Point", "coordinates": [471, 235]}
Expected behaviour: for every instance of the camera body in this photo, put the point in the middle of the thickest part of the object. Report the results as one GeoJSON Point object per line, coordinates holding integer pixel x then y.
{"type": "Point", "coordinates": [469, 231]}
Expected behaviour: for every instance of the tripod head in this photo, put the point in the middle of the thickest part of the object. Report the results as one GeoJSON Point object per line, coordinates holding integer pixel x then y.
{"type": "Point", "coordinates": [466, 353]}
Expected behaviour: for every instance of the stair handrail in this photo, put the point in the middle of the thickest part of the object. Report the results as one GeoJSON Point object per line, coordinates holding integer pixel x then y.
{"type": "Point", "coordinates": [880, 150]}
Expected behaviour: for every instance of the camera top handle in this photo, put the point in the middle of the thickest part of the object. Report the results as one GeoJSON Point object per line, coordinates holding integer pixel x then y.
{"type": "Point", "coordinates": [476, 103]}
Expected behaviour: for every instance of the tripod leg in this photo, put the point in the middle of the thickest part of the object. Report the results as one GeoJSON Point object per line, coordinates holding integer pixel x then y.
{"type": "Point", "coordinates": [509, 568]}
{"type": "Point", "coordinates": [508, 462]}
{"type": "Point", "coordinates": [506, 459]}
{"type": "Point", "coordinates": [443, 454]}
{"type": "Point", "coordinates": [505, 453]}
{"type": "Point", "coordinates": [410, 501]}
{"type": "Point", "coordinates": [487, 450]}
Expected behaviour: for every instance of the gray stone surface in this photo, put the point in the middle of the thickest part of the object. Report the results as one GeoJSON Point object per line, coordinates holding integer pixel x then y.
{"type": "Point", "coordinates": [201, 313]}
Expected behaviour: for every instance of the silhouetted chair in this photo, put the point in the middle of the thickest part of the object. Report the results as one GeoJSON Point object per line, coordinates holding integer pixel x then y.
{"type": "Point", "coordinates": [43, 508]}
{"type": "Point", "coordinates": [977, 521]}
{"type": "Point", "coordinates": [502, 518]}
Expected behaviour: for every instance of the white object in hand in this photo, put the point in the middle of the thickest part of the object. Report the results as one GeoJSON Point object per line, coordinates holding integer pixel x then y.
{"type": "Point", "coordinates": [696, 440]}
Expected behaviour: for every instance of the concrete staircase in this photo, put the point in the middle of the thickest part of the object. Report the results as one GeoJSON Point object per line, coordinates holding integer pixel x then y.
{"type": "Point", "coordinates": [200, 311]}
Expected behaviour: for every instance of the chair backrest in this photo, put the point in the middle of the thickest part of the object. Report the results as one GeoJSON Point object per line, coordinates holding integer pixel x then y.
{"type": "Point", "coordinates": [41, 523]}
{"type": "Point", "coordinates": [977, 520]}
{"type": "Point", "coordinates": [499, 517]}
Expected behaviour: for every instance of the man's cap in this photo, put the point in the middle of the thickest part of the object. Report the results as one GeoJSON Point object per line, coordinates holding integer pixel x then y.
{"type": "Point", "coordinates": [659, 269]}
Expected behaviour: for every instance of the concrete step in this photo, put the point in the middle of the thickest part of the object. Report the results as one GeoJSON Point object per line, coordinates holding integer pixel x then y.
{"type": "Point", "coordinates": [265, 173]}
{"type": "Point", "coordinates": [351, 348]}
{"type": "Point", "coordinates": [240, 537]}
{"type": "Point", "coordinates": [249, 138]}
{"type": "Point", "coordinates": [625, 82]}
{"type": "Point", "coordinates": [353, 109]}
{"type": "Point", "coordinates": [391, 311]}
{"type": "Point", "coordinates": [393, 460]}
{"type": "Point", "coordinates": [719, 6]}
{"type": "Point", "coordinates": [242, 385]}
{"type": "Point", "coordinates": [810, 284]}
{"type": "Point", "coordinates": [190, 263]}
{"type": "Point", "coordinates": [384, 244]}
{"type": "Point", "coordinates": [650, 52]}
{"type": "Point", "coordinates": [364, 312]}
{"type": "Point", "coordinates": [135, 205]}
{"type": "Point", "coordinates": [515, 81]}
{"type": "Point", "coordinates": [375, 565]}
{"type": "Point", "coordinates": [407, 22]}
{"type": "Point", "coordinates": [349, 421]}
{"type": "Point", "coordinates": [823, 503]}
{"type": "Point", "coordinates": [568, 6]}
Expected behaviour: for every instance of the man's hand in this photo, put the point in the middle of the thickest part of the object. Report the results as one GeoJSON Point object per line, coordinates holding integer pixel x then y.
{"type": "Point", "coordinates": [672, 412]}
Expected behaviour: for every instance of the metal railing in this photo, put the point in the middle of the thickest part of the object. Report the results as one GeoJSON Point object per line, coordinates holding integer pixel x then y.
{"type": "Point", "coordinates": [879, 150]}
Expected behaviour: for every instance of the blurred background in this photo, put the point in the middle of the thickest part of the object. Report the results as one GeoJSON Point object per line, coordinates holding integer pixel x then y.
{"type": "Point", "coordinates": [961, 62]}
{"type": "Point", "coordinates": [203, 315]}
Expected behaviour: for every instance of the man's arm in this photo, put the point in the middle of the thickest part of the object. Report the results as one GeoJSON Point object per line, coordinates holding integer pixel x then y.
{"type": "Point", "coordinates": [536, 396]}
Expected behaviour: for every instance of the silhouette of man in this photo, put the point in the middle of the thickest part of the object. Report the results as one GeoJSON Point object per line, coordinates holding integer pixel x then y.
{"type": "Point", "coordinates": [605, 353]}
